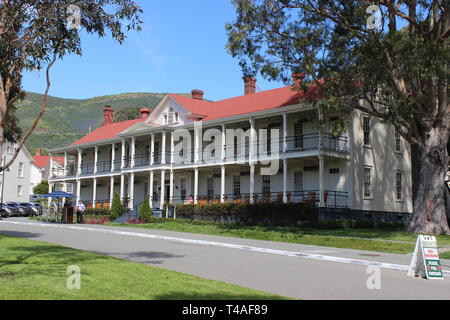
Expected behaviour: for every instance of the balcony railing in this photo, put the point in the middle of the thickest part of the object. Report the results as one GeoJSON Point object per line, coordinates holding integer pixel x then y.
{"type": "Point", "coordinates": [332, 199]}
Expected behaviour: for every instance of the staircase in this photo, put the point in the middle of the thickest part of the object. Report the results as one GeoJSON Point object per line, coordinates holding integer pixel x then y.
{"type": "Point", "coordinates": [130, 214]}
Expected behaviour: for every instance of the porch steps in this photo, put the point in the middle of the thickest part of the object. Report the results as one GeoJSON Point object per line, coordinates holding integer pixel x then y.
{"type": "Point", "coordinates": [126, 216]}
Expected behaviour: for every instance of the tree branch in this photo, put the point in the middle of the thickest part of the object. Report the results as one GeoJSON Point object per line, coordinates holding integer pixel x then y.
{"type": "Point", "coordinates": [36, 121]}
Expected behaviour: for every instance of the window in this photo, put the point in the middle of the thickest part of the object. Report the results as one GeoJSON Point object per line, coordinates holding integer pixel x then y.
{"type": "Point", "coordinates": [298, 181]}
{"type": "Point", "coordinates": [19, 191]}
{"type": "Point", "coordinates": [398, 185]}
{"type": "Point", "coordinates": [366, 129]}
{"type": "Point", "coordinates": [298, 132]}
{"type": "Point", "coordinates": [236, 185]}
{"type": "Point", "coordinates": [367, 182]}
{"type": "Point", "coordinates": [183, 188]}
{"type": "Point", "coordinates": [334, 170]}
{"type": "Point", "coordinates": [210, 186]}
{"type": "Point", "coordinates": [20, 169]}
{"type": "Point", "coordinates": [265, 184]}
{"type": "Point", "coordinates": [11, 150]}
{"type": "Point", "coordinates": [397, 141]}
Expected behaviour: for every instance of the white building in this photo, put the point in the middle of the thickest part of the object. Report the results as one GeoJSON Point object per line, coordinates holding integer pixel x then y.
{"type": "Point", "coordinates": [15, 182]}
{"type": "Point", "coordinates": [364, 170]}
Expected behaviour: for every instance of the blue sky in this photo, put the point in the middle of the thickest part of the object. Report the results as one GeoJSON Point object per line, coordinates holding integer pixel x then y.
{"type": "Point", "coordinates": [182, 47]}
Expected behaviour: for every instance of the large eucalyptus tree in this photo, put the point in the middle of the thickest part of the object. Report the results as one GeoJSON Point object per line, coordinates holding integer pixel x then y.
{"type": "Point", "coordinates": [34, 34]}
{"type": "Point", "coordinates": [387, 58]}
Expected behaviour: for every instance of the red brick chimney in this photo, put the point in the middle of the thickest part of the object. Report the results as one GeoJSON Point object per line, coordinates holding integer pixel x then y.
{"type": "Point", "coordinates": [249, 84]}
{"type": "Point", "coordinates": [37, 151]}
{"type": "Point", "coordinates": [108, 115]}
{"type": "Point", "coordinates": [197, 94]}
{"type": "Point", "coordinates": [145, 112]}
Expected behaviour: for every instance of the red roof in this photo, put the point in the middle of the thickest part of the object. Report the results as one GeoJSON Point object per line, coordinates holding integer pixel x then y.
{"type": "Point", "coordinates": [107, 132]}
{"type": "Point", "coordinates": [209, 110]}
{"type": "Point", "coordinates": [42, 161]}
{"type": "Point", "coordinates": [264, 100]}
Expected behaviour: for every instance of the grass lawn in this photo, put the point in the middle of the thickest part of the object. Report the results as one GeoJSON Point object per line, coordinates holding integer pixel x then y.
{"type": "Point", "coordinates": [338, 238]}
{"type": "Point", "coordinates": [37, 270]}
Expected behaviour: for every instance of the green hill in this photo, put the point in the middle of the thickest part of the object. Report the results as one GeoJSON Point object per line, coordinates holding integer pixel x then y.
{"type": "Point", "coordinates": [66, 120]}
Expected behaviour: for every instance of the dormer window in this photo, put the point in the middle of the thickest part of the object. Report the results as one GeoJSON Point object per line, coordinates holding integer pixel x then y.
{"type": "Point", "coordinates": [171, 117]}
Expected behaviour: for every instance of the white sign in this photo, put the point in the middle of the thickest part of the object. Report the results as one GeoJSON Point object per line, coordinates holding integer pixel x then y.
{"type": "Point", "coordinates": [425, 261]}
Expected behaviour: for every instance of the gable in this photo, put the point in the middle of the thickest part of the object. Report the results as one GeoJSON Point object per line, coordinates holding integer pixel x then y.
{"type": "Point", "coordinates": [169, 109]}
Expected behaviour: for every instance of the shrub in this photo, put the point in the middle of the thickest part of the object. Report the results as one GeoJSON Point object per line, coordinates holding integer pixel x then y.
{"type": "Point", "coordinates": [97, 211]}
{"type": "Point", "coordinates": [117, 208]}
{"type": "Point", "coordinates": [145, 212]}
{"type": "Point", "coordinates": [258, 214]}
{"type": "Point", "coordinates": [95, 219]}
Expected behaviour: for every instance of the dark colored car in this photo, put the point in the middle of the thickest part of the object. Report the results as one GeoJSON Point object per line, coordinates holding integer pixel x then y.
{"type": "Point", "coordinates": [16, 208]}
{"type": "Point", "coordinates": [30, 208]}
{"type": "Point", "coordinates": [5, 211]}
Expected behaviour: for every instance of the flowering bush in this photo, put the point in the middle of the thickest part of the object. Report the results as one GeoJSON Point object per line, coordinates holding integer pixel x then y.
{"type": "Point", "coordinates": [135, 221]}
{"type": "Point", "coordinates": [95, 219]}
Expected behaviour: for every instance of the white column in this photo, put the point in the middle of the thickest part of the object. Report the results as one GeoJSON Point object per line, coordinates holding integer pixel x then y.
{"type": "Point", "coordinates": [285, 172]}
{"type": "Point", "coordinates": [251, 156]}
{"type": "Point", "coordinates": [224, 142]}
{"type": "Point", "coordinates": [131, 195]}
{"type": "Point", "coordinates": [163, 147]}
{"type": "Point", "coordinates": [252, 182]}
{"type": "Point", "coordinates": [122, 158]}
{"type": "Point", "coordinates": [195, 185]}
{"type": "Point", "coordinates": [95, 159]}
{"type": "Point", "coordinates": [162, 193]}
{"type": "Point", "coordinates": [133, 150]}
{"type": "Point", "coordinates": [171, 187]}
{"type": "Point", "coordinates": [78, 191]}
{"type": "Point", "coordinates": [122, 186]}
{"type": "Point", "coordinates": [65, 164]}
{"type": "Point", "coordinates": [51, 166]}
{"type": "Point", "coordinates": [94, 192]}
{"type": "Point", "coordinates": [320, 131]}
{"type": "Point", "coordinates": [152, 148]}
{"type": "Point", "coordinates": [79, 161]}
{"type": "Point", "coordinates": [50, 190]}
{"type": "Point", "coordinates": [222, 184]}
{"type": "Point", "coordinates": [321, 178]}
{"type": "Point", "coordinates": [111, 191]}
{"type": "Point", "coordinates": [113, 155]}
{"type": "Point", "coordinates": [196, 145]}
{"type": "Point", "coordinates": [172, 148]}
{"type": "Point", "coordinates": [150, 187]}
{"type": "Point", "coordinates": [285, 132]}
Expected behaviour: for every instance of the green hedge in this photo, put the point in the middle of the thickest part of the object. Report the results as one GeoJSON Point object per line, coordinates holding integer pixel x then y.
{"type": "Point", "coordinates": [97, 211]}
{"type": "Point", "coordinates": [353, 224]}
{"type": "Point", "coordinates": [266, 214]}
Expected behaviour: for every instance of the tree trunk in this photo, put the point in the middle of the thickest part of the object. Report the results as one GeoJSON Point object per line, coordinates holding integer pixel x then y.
{"type": "Point", "coordinates": [429, 167]}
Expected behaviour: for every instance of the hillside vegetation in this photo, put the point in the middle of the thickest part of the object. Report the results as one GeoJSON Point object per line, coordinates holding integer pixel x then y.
{"type": "Point", "coordinates": [66, 120]}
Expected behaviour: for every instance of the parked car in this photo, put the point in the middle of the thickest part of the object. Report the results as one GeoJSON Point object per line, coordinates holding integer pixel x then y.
{"type": "Point", "coordinates": [16, 208]}
{"type": "Point", "coordinates": [30, 208]}
{"type": "Point", "coordinates": [5, 211]}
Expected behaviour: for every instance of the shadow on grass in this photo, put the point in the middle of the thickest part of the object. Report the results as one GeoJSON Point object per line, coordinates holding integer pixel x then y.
{"type": "Point", "coordinates": [19, 234]}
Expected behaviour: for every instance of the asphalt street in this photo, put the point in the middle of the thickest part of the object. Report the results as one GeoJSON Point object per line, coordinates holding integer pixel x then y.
{"type": "Point", "coordinates": [292, 270]}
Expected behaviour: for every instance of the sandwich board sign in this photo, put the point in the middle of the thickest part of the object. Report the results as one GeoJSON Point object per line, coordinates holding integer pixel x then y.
{"type": "Point", "coordinates": [425, 261]}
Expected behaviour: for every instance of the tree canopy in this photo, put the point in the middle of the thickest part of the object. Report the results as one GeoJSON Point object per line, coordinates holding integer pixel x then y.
{"type": "Point", "coordinates": [386, 58]}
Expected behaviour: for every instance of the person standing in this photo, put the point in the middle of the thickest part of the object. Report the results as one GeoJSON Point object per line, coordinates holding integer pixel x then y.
{"type": "Point", "coordinates": [80, 211]}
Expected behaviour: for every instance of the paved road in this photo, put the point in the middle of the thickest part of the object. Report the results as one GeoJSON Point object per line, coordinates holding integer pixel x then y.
{"type": "Point", "coordinates": [292, 270]}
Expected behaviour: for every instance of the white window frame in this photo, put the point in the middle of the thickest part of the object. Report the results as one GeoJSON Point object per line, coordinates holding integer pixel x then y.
{"type": "Point", "coordinates": [398, 141]}
{"type": "Point", "coordinates": [20, 170]}
{"type": "Point", "coordinates": [399, 186]}
{"type": "Point", "coordinates": [369, 183]}
{"type": "Point", "coordinates": [366, 131]}
{"type": "Point", "coordinates": [236, 185]}
{"type": "Point", "coordinates": [19, 190]}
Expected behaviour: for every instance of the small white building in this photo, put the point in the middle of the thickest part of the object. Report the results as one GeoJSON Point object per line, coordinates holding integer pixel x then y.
{"type": "Point", "coordinates": [189, 147]}
{"type": "Point", "coordinates": [15, 182]}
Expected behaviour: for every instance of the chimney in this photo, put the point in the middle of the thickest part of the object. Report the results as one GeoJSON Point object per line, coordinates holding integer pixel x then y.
{"type": "Point", "coordinates": [249, 85]}
{"type": "Point", "coordinates": [37, 151]}
{"type": "Point", "coordinates": [145, 112]}
{"type": "Point", "coordinates": [197, 94]}
{"type": "Point", "coordinates": [108, 115]}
